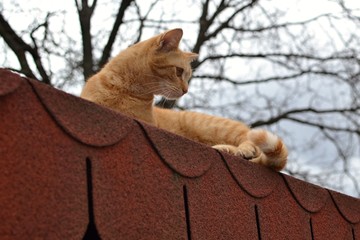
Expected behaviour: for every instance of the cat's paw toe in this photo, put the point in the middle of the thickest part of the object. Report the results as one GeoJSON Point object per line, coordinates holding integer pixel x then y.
{"type": "Point", "coordinates": [249, 151]}
{"type": "Point", "coordinates": [246, 150]}
{"type": "Point", "coordinates": [226, 148]}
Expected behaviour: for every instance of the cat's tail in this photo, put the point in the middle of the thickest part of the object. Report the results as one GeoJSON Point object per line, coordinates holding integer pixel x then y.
{"type": "Point", "coordinates": [275, 151]}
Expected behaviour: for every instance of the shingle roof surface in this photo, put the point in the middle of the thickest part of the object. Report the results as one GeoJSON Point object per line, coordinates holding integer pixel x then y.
{"type": "Point", "coordinates": [70, 169]}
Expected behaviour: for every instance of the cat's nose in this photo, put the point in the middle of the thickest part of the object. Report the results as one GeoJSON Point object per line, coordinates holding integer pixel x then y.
{"type": "Point", "coordinates": [185, 90]}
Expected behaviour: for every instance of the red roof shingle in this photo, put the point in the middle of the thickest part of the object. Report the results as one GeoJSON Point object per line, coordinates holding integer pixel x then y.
{"type": "Point", "coordinates": [70, 169]}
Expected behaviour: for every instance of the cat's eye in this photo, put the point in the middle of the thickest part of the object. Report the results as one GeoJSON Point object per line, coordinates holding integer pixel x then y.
{"type": "Point", "coordinates": [179, 71]}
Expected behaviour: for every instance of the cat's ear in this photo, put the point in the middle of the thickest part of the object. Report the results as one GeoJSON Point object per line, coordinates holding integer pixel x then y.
{"type": "Point", "coordinates": [191, 56]}
{"type": "Point", "coordinates": [170, 40]}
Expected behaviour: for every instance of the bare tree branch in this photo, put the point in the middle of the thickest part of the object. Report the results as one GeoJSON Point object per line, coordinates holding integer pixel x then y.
{"type": "Point", "coordinates": [279, 54]}
{"type": "Point", "coordinates": [118, 21]}
{"type": "Point", "coordinates": [225, 24]}
{"type": "Point", "coordinates": [85, 13]}
{"type": "Point", "coordinates": [286, 115]}
{"type": "Point", "coordinates": [20, 48]}
{"type": "Point", "coordinates": [273, 26]}
{"type": "Point", "coordinates": [290, 77]}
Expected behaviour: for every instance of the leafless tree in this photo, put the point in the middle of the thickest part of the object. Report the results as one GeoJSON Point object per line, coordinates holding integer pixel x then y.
{"type": "Point", "coordinates": [299, 78]}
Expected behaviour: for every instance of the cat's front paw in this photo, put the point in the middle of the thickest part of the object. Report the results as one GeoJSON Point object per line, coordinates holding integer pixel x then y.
{"type": "Point", "coordinates": [226, 148]}
{"type": "Point", "coordinates": [249, 151]}
{"type": "Point", "coordinates": [246, 150]}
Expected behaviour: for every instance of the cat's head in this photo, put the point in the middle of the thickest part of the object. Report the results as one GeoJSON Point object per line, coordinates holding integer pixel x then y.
{"type": "Point", "coordinates": [166, 69]}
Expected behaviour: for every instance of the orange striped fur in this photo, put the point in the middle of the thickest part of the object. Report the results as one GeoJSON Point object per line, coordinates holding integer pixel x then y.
{"type": "Point", "coordinates": [157, 66]}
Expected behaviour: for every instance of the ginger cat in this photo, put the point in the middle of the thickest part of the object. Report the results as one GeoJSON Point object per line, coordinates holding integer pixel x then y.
{"type": "Point", "coordinates": [157, 66]}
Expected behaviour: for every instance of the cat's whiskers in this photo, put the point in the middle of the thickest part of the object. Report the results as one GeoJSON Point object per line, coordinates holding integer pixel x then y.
{"type": "Point", "coordinates": [154, 90]}
{"type": "Point", "coordinates": [166, 88]}
{"type": "Point", "coordinates": [151, 88]}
